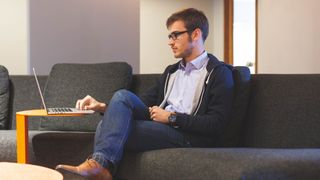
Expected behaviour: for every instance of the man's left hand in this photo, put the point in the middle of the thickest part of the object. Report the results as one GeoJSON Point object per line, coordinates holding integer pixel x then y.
{"type": "Point", "coordinates": [158, 114]}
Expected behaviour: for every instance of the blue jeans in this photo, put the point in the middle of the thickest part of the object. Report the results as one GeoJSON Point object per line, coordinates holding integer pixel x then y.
{"type": "Point", "coordinates": [126, 125]}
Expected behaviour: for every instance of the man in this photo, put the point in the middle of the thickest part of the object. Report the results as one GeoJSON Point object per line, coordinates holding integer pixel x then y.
{"type": "Point", "coordinates": [188, 107]}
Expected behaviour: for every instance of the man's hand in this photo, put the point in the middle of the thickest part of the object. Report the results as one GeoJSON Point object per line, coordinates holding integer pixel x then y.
{"type": "Point", "coordinates": [158, 114]}
{"type": "Point", "coordinates": [89, 103]}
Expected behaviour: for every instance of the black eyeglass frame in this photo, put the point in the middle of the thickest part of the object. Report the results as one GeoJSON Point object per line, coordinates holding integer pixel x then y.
{"type": "Point", "coordinates": [174, 35]}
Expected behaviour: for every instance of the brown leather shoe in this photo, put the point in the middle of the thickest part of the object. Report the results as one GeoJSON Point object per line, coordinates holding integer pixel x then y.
{"type": "Point", "coordinates": [90, 169]}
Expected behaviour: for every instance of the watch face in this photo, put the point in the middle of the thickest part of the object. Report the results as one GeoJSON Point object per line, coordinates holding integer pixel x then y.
{"type": "Point", "coordinates": [172, 120]}
{"type": "Point", "coordinates": [172, 117]}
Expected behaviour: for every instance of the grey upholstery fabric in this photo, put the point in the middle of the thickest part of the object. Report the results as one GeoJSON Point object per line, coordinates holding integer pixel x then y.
{"type": "Point", "coordinates": [233, 131]}
{"type": "Point", "coordinates": [59, 147]}
{"type": "Point", "coordinates": [221, 163]}
{"type": "Point", "coordinates": [25, 96]}
{"type": "Point", "coordinates": [49, 148]}
{"type": "Point", "coordinates": [4, 97]}
{"type": "Point", "coordinates": [142, 82]}
{"type": "Point", "coordinates": [69, 82]}
{"type": "Point", "coordinates": [8, 146]}
{"type": "Point", "coordinates": [284, 111]}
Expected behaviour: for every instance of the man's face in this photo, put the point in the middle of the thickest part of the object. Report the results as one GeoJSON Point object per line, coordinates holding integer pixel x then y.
{"type": "Point", "coordinates": [180, 40]}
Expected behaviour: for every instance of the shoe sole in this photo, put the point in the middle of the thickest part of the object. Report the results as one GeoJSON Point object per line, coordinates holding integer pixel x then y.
{"type": "Point", "coordinates": [68, 175]}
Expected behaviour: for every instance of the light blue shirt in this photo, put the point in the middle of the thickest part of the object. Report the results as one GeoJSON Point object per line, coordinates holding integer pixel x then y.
{"type": "Point", "coordinates": [188, 81]}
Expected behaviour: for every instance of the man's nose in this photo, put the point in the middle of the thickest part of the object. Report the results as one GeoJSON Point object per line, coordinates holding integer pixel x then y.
{"type": "Point", "coordinates": [170, 42]}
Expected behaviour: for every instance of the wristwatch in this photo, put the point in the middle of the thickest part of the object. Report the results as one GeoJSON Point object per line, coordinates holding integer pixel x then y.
{"type": "Point", "coordinates": [172, 120]}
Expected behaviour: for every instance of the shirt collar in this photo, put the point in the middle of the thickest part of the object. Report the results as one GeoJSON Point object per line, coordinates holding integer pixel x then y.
{"type": "Point", "coordinates": [198, 62]}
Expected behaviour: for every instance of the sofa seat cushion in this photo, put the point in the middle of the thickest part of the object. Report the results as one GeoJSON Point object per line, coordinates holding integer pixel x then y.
{"type": "Point", "coordinates": [49, 148]}
{"type": "Point", "coordinates": [8, 145]}
{"type": "Point", "coordinates": [69, 82]}
{"type": "Point", "coordinates": [221, 163]}
{"type": "Point", "coordinates": [60, 147]}
{"type": "Point", "coordinates": [4, 97]}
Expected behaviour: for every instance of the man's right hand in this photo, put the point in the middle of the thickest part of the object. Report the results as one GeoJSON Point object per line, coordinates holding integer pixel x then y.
{"type": "Point", "coordinates": [89, 103]}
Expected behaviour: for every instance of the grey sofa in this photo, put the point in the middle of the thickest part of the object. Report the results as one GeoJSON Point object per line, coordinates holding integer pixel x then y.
{"type": "Point", "coordinates": [273, 132]}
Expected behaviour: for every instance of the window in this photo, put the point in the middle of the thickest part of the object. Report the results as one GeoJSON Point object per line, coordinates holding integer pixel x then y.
{"type": "Point", "coordinates": [244, 34]}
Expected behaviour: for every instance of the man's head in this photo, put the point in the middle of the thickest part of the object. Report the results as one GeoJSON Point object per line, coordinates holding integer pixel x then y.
{"type": "Point", "coordinates": [192, 19]}
{"type": "Point", "coordinates": [188, 29]}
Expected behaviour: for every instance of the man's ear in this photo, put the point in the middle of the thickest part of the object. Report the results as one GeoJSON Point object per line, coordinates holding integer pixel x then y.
{"type": "Point", "coordinates": [197, 34]}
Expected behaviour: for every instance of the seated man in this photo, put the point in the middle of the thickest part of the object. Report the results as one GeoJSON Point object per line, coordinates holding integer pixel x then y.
{"type": "Point", "coordinates": [188, 107]}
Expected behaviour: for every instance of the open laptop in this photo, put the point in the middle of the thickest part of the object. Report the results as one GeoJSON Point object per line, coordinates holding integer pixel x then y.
{"type": "Point", "coordinates": [59, 110]}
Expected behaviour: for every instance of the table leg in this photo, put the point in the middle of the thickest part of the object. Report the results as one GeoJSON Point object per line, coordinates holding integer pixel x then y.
{"type": "Point", "coordinates": [22, 138]}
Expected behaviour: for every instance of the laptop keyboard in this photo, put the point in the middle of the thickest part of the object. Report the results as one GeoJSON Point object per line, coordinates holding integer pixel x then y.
{"type": "Point", "coordinates": [57, 110]}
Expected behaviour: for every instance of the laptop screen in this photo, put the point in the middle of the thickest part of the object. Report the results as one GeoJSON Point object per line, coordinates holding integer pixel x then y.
{"type": "Point", "coordinates": [39, 89]}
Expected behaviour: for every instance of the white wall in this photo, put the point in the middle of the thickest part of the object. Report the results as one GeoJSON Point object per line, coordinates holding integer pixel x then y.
{"type": "Point", "coordinates": [155, 54]}
{"type": "Point", "coordinates": [13, 36]}
{"type": "Point", "coordinates": [288, 36]}
{"type": "Point", "coordinates": [83, 31]}
{"type": "Point", "coordinates": [217, 29]}
{"type": "Point", "coordinates": [64, 31]}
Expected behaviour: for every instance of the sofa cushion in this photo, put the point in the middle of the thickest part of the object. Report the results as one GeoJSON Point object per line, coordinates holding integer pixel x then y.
{"type": "Point", "coordinates": [60, 147]}
{"type": "Point", "coordinates": [284, 111]}
{"type": "Point", "coordinates": [233, 130]}
{"type": "Point", "coordinates": [221, 163]}
{"type": "Point", "coordinates": [8, 147]}
{"type": "Point", "coordinates": [68, 82]}
{"type": "Point", "coordinates": [24, 95]}
{"type": "Point", "coordinates": [142, 82]}
{"type": "Point", "coordinates": [4, 97]}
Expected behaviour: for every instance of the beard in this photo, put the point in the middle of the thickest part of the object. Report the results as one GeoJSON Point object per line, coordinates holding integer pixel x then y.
{"type": "Point", "coordinates": [187, 52]}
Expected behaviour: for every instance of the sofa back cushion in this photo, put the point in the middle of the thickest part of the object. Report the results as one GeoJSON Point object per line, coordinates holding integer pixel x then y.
{"type": "Point", "coordinates": [231, 136]}
{"type": "Point", "coordinates": [284, 111]}
{"type": "Point", "coordinates": [68, 82]}
{"type": "Point", "coordinates": [143, 82]}
{"type": "Point", "coordinates": [4, 97]}
{"type": "Point", "coordinates": [24, 95]}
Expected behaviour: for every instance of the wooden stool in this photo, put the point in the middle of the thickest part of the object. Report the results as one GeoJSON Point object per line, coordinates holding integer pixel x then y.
{"type": "Point", "coordinates": [14, 171]}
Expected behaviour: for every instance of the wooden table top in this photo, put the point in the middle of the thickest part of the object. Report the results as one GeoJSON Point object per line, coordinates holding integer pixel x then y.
{"type": "Point", "coordinates": [15, 171]}
{"type": "Point", "coordinates": [43, 112]}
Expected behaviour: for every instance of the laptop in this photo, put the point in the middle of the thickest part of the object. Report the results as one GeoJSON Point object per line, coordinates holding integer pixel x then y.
{"type": "Point", "coordinates": [59, 110]}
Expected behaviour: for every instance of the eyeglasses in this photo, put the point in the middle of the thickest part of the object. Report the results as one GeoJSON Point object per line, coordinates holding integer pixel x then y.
{"type": "Point", "coordinates": [174, 35]}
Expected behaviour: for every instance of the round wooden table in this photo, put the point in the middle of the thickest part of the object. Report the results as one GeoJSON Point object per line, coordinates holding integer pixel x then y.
{"type": "Point", "coordinates": [15, 171]}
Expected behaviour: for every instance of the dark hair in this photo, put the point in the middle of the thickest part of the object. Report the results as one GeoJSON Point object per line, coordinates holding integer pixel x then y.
{"type": "Point", "coordinates": [192, 19]}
